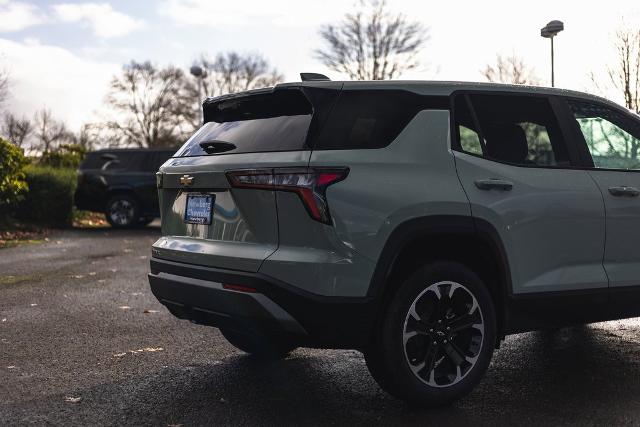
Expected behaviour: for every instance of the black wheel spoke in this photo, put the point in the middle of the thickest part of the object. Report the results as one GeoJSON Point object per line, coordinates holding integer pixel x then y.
{"type": "Point", "coordinates": [437, 329]}
{"type": "Point", "coordinates": [454, 353]}
{"type": "Point", "coordinates": [430, 358]}
{"type": "Point", "coordinates": [463, 322]}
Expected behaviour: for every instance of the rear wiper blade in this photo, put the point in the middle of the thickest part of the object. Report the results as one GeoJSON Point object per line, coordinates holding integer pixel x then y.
{"type": "Point", "coordinates": [216, 146]}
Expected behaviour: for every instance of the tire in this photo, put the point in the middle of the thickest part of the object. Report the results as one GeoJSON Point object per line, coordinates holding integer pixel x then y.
{"type": "Point", "coordinates": [122, 211]}
{"type": "Point", "coordinates": [411, 339]}
{"type": "Point", "coordinates": [144, 221]}
{"type": "Point", "coordinates": [258, 345]}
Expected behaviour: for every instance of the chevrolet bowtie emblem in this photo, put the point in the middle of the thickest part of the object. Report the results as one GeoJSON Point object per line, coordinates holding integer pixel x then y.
{"type": "Point", "coordinates": [186, 180]}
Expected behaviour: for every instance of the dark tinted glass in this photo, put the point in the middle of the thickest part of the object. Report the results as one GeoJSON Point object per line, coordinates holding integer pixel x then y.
{"type": "Point", "coordinates": [92, 161]}
{"type": "Point", "coordinates": [276, 121]}
{"type": "Point", "coordinates": [131, 161]}
{"type": "Point", "coordinates": [135, 161]}
{"type": "Point", "coordinates": [522, 130]}
{"type": "Point", "coordinates": [372, 118]}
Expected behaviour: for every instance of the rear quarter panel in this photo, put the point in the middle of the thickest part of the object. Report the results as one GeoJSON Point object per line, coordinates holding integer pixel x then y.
{"type": "Point", "coordinates": [413, 177]}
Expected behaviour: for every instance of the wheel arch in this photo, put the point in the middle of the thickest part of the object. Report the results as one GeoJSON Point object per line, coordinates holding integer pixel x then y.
{"type": "Point", "coordinates": [121, 190]}
{"type": "Point", "coordinates": [472, 241]}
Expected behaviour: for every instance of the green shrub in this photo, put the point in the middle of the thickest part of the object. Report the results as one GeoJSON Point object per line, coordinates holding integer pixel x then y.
{"type": "Point", "coordinates": [50, 197]}
{"type": "Point", "coordinates": [66, 156]}
{"type": "Point", "coordinates": [12, 177]}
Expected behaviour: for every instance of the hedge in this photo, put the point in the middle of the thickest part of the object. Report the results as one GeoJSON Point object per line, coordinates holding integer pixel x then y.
{"type": "Point", "coordinates": [12, 179]}
{"type": "Point", "coordinates": [50, 197]}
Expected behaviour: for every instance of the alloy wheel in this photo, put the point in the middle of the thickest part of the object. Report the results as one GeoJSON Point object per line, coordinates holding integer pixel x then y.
{"type": "Point", "coordinates": [443, 334]}
{"type": "Point", "coordinates": [121, 212]}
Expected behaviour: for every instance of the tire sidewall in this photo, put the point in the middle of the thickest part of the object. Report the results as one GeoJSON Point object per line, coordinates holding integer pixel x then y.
{"type": "Point", "coordinates": [406, 384]}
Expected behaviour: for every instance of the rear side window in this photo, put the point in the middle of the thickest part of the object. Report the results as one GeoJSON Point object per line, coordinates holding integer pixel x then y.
{"type": "Point", "coordinates": [277, 121]}
{"type": "Point", "coordinates": [521, 130]}
{"type": "Point", "coordinates": [93, 161]}
{"type": "Point", "coordinates": [372, 118]}
{"type": "Point", "coordinates": [130, 161]}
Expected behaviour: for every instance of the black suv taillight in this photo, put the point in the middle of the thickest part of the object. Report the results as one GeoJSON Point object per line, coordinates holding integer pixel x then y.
{"type": "Point", "coordinates": [309, 184]}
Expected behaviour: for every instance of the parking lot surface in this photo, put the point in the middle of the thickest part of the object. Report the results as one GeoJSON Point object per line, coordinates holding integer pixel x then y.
{"type": "Point", "coordinates": [83, 341]}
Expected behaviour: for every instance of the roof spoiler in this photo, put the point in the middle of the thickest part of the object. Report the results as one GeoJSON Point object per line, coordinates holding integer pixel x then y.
{"type": "Point", "coordinates": [313, 77]}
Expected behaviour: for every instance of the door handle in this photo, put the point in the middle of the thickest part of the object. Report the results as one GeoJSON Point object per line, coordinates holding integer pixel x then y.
{"type": "Point", "coordinates": [491, 184]}
{"type": "Point", "coordinates": [624, 191]}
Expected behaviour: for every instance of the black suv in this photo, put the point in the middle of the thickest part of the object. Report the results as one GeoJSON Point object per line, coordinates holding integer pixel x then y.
{"type": "Point", "coordinates": [122, 184]}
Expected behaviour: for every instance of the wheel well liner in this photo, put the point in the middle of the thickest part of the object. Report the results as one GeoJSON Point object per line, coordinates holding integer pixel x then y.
{"type": "Point", "coordinates": [472, 241]}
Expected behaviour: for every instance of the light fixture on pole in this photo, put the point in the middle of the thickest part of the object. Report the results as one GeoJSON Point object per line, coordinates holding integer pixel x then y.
{"type": "Point", "coordinates": [199, 73]}
{"type": "Point", "coordinates": [549, 31]}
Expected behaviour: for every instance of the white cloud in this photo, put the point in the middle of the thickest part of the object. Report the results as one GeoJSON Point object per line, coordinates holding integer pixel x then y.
{"type": "Point", "coordinates": [73, 88]}
{"type": "Point", "coordinates": [273, 12]}
{"type": "Point", "coordinates": [16, 16]}
{"type": "Point", "coordinates": [101, 17]}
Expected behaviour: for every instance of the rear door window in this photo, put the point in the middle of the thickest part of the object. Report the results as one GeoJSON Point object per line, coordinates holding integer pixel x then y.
{"type": "Point", "coordinates": [277, 121]}
{"type": "Point", "coordinates": [516, 129]}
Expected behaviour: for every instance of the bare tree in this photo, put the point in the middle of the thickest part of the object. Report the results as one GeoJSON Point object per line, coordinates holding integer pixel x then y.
{"type": "Point", "coordinates": [371, 43]}
{"type": "Point", "coordinates": [87, 137]}
{"type": "Point", "coordinates": [4, 86]}
{"type": "Point", "coordinates": [49, 132]}
{"type": "Point", "coordinates": [16, 130]}
{"type": "Point", "coordinates": [625, 76]}
{"type": "Point", "coordinates": [152, 106]}
{"type": "Point", "coordinates": [510, 69]}
{"type": "Point", "coordinates": [234, 72]}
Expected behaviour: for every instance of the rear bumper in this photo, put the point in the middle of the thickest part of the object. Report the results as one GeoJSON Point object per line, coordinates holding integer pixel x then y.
{"type": "Point", "coordinates": [196, 293]}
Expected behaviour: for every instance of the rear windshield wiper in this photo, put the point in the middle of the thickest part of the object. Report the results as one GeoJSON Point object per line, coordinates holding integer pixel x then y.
{"type": "Point", "coordinates": [216, 146]}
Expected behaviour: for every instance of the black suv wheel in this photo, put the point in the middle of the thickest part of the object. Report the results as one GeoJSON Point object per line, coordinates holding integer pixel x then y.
{"type": "Point", "coordinates": [437, 337]}
{"type": "Point", "coordinates": [122, 211]}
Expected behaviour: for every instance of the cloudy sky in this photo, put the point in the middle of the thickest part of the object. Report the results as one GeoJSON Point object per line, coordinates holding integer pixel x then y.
{"type": "Point", "coordinates": [61, 54]}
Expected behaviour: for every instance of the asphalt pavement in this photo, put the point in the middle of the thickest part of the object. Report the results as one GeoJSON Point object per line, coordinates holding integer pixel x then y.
{"type": "Point", "coordinates": [84, 342]}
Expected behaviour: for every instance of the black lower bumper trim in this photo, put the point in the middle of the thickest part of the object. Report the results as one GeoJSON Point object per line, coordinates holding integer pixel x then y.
{"type": "Point", "coordinates": [194, 292]}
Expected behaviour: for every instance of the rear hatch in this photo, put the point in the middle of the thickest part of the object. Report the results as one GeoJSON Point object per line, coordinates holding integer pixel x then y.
{"type": "Point", "coordinates": [227, 226]}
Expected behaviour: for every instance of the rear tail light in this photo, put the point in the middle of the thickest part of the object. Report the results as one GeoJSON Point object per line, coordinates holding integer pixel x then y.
{"type": "Point", "coordinates": [309, 184]}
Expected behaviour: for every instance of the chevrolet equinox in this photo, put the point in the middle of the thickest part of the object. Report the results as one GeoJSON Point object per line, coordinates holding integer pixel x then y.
{"type": "Point", "coordinates": [418, 222]}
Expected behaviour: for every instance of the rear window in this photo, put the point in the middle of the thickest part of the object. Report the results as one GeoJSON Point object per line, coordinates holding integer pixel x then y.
{"type": "Point", "coordinates": [373, 118]}
{"type": "Point", "coordinates": [276, 121]}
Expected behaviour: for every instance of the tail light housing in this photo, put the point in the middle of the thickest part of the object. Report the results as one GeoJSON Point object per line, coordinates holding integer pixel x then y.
{"type": "Point", "coordinates": [309, 184]}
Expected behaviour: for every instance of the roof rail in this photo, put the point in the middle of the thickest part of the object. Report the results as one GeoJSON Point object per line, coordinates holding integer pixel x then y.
{"type": "Point", "coordinates": [312, 77]}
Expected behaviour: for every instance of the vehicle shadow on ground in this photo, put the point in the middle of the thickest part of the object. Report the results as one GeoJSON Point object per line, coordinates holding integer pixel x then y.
{"type": "Point", "coordinates": [578, 375]}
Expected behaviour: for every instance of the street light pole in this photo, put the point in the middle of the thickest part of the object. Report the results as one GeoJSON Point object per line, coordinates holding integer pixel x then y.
{"type": "Point", "coordinates": [199, 73]}
{"type": "Point", "coordinates": [549, 31]}
{"type": "Point", "coordinates": [553, 80]}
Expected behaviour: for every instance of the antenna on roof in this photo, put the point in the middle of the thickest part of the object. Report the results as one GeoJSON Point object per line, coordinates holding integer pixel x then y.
{"type": "Point", "coordinates": [313, 77]}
